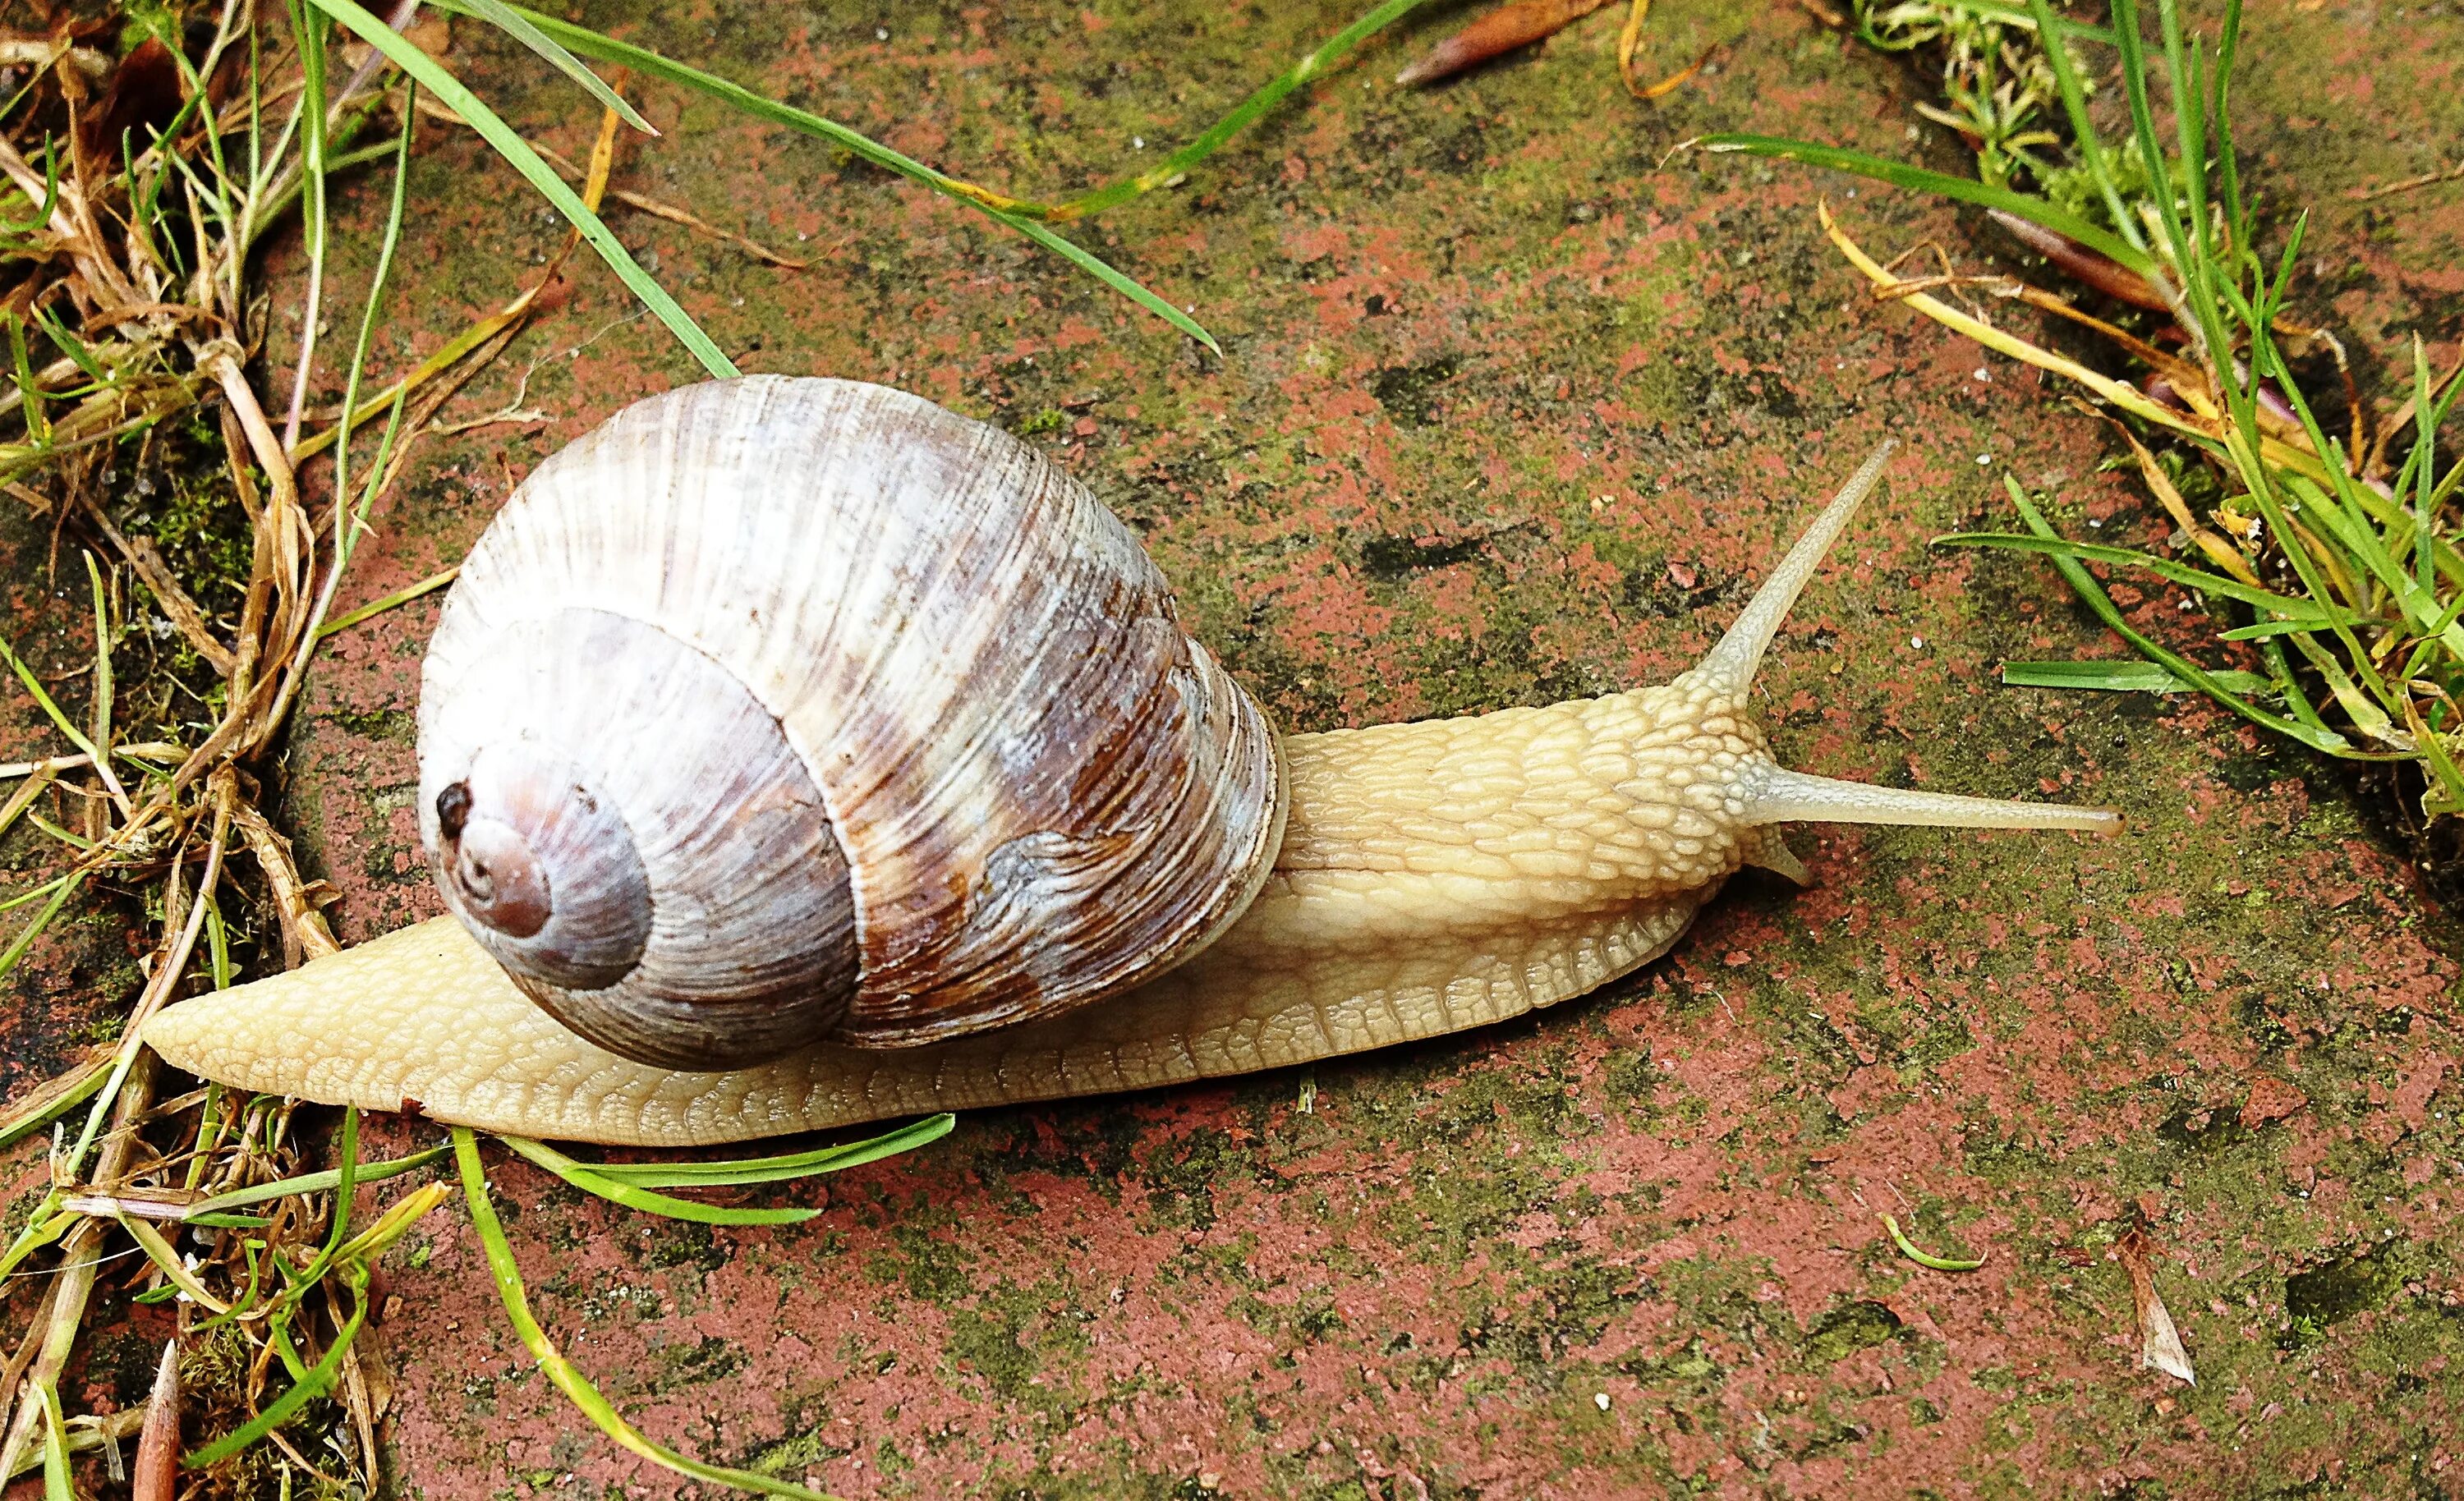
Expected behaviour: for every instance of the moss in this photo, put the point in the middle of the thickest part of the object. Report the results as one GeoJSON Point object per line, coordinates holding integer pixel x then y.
{"type": "Point", "coordinates": [1847, 1329]}
{"type": "Point", "coordinates": [2326, 1296]}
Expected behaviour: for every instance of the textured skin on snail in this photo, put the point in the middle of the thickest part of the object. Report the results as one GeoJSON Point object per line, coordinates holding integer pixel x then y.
{"type": "Point", "coordinates": [776, 709]}
{"type": "Point", "coordinates": [1433, 877]}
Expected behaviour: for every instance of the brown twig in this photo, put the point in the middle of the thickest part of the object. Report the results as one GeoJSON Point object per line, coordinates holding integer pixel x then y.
{"type": "Point", "coordinates": [305, 934]}
{"type": "Point", "coordinates": [2364, 195]}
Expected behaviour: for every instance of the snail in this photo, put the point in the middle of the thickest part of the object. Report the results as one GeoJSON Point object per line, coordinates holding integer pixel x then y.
{"type": "Point", "coordinates": [795, 752]}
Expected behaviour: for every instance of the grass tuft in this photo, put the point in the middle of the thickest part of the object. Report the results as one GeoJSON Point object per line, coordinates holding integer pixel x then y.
{"type": "Point", "coordinates": [2333, 566]}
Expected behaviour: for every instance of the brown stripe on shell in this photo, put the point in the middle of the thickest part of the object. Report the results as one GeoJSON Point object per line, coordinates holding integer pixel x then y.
{"type": "Point", "coordinates": [1044, 790]}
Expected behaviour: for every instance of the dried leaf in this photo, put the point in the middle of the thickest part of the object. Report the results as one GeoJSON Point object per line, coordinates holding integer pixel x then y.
{"type": "Point", "coordinates": [1493, 35]}
{"type": "Point", "coordinates": [1630, 39]}
{"type": "Point", "coordinates": [2160, 1344]}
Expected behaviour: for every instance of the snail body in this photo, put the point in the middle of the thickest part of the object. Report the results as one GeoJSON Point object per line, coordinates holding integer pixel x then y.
{"type": "Point", "coordinates": [1227, 909]}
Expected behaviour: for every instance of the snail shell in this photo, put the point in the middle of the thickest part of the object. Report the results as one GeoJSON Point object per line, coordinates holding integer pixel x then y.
{"type": "Point", "coordinates": [777, 711]}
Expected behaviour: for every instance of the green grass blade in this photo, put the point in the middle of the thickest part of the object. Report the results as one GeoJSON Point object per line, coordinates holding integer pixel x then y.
{"type": "Point", "coordinates": [57, 1485]}
{"type": "Point", "coordinates": [1088, 261]}
{"type": "Point", "coordinates": [44, 1226]}
{"type": "Point", "coordinates": [606, 48]}
{"type": "Point", "coordinates": [576, 1386]}
{"type": "Point", "coordinates": [1942, 184]}
{"type": "Point", "coordinates": [746, 1171]}
{"type": "Point", "coordinates": [1333, 51]}
{"type": "Point", "coordinates": [348, 536]}
{"type": "Point", "coordinates": [2120, 677]}
{"type": "Point", "coordinates": [2219, 107]}
{"type": "Point", "coordinates": [580, 1176]}
{"type": "Point", "coordinates": [432, 76]}
{"type": "Point", "coordinates": [2266, 629]}
{"type": "Point", "coordinates": [32, 931]}
{"type": "Point", "coordinates": [64, 1099]}
{"type": "Point", "coordinates": [51, 710]}
{"type": "Point", "coordinates": [2092, 595]}
{"type": "Point", "coordinates": [514, 24]}
{"type": "Point", "coordinates": [2163, 567]}
{"type": "Point", "coordinates": [400, 597]}
{"type": "Point", "coordinates": [2084, 137]}
{"type": "Point", "coordinates": [317, 1183]}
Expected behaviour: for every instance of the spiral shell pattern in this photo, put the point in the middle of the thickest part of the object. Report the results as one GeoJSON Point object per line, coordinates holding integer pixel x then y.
{"type": "Point", "coordinates": [776, 709]}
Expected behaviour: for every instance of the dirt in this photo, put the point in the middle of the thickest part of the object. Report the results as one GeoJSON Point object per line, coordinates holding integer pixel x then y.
{"type": "Point", "coordinates": [1517, 402]}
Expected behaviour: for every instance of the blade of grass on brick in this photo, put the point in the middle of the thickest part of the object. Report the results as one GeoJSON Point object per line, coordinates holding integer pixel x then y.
{"type": "Point", "coordinates": [25, 939]}
{"type": "Point", "coordinates": [1942, 184]}
{"type": "Point", "coordinates": [521, 28]}
{"type": "Point", "coordinates": [428, 369]}
{"type": "Point", "coordinates": [50, 709]}
{"type": "Point", "coordinates": [581, 1177]}
{"type": "Point", "coordinates": [38, 893]}
{"type": "Point", "coordinates": [2219, 106]}
{"type": "Point", "coordinates": [1209, 140]}
{"type": "Point", "coordinates": [746, 1171]}
{"type": "Point", "coordinates": [2120, 677]}
{"type": "Point", "coordinates": [322, 1182]}
{"type": "Point", "coordinates": [345, 1186]}
{"type": "Point", "coordinates": [576, 1386]}
{"type": "Point", "coordinates": [2265, 629]}
{"type": "Point", "coordinates": [45, 1226]}
{"type": "Point", "coordinates": [606, 48]}
{"type": "Point", "coordinates": [56, 1098]}
{"type": "Point", "coordinates": [2085, 144]}
{"type": "Point", "coordinates": [2092, 595]}
{"type": "Point", "coordinates": [1095, 265]}
{"type": "Point", "coordinates": [56, 1484]}
{"type": "Point", "coordinates": [308, 31]}
{"type": "Point", "coordinates": [2183, 573]}
{"type": "Point", "coordinates": [433, 77]}
{"type": "Point", "coordinates": [346, 536]}
{"type": "Point", "coordinates": [2189, 100]}
{"type": "Point", "coordinates": [399, 598]}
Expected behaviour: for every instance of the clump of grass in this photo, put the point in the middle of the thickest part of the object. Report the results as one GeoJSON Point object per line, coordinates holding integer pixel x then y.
{"type": "Point", "coordinates": [132, 414]}
{"type": "Point", "coordinates": [2328, 538]}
